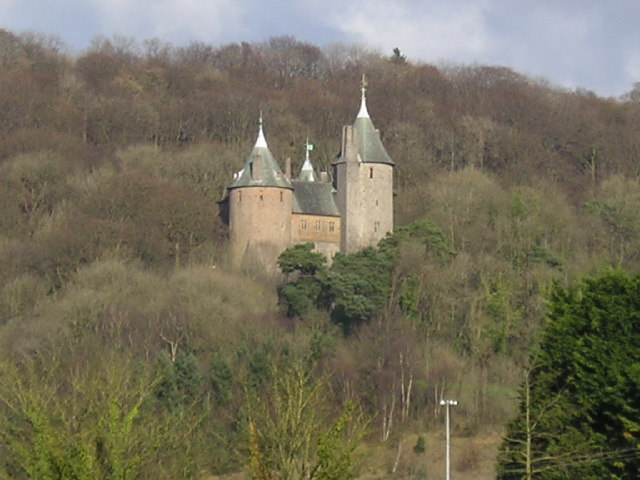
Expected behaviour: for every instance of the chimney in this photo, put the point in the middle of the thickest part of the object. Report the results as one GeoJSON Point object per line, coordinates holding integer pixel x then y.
{"type": "Point", "coordinates": [287, 168]}
{"type": "Point", "coordinates": [349, 145]}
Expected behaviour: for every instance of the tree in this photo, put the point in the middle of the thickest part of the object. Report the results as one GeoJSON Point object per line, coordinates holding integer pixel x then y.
{"type": "Point", "coordinates": [302, 294]}
{"type": "Point", "coordinates": [78, 420]}
{"type": "Point", "coordinates": [301, 258]}
{"type": "Point", "coordinates": [358, 286]}
{"type": "Point", "coordinates": [580, 402]}
{"type": "Point", "coordinates": [293, 434]}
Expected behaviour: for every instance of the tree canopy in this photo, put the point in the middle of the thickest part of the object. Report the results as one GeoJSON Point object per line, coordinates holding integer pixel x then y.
{"type": "Point", "coordinates": [580, 409]}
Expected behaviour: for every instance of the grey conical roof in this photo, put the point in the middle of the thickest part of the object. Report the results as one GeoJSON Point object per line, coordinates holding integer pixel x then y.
{"type": "Point", "coordinates": [370, 148]}
{"type": "Point", "coordinates": [307, 174]}
{"type": "Point", "coordinates": [271, 176]}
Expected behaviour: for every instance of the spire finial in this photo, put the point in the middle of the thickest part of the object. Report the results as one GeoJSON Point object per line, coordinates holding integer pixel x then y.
{"type": "Point", "coordinates": [306, 172]}
{"type": "Point", "coordinates": [261, 141]}
{"type": "Point", "coordinates": [363, 85]}
{"type": "Point", "coordinates": [363, 101]}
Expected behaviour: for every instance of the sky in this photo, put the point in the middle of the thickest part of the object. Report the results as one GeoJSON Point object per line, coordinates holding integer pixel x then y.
{"type": "Point", "coordinates": [587, 44]}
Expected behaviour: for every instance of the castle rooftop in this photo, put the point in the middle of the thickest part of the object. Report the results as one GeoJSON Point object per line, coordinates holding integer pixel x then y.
{"type": "Point", "coordinates": [261, 168]}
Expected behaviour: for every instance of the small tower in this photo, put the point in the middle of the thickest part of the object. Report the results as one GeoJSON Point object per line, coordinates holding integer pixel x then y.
{"type": "Point", "coordinates": [260, 205]}
{"type": "Point", "coordinates": [315, 217]}
{"type": "Point", "coordinates": [307, 174]}
{"type": "Point", "coordinates": [363, 174]}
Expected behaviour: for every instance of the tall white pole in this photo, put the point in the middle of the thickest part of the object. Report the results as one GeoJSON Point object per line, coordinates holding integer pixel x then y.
{"type": "Point", "coordinates": [447, 404]}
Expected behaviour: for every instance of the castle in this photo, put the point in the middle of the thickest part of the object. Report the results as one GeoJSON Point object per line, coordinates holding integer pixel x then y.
{"type": "Point", "coordinates": [268, 210]}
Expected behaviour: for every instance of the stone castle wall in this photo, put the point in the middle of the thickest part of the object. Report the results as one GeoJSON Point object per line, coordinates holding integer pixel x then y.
{"type": "Point", "coordinates": [259, 219]}
{"type": "Point", "coordinates": [323, 231]}
{"type": "Point", "coordinates": [364, 197]}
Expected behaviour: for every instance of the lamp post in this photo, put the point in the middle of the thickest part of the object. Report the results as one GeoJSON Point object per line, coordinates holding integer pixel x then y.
{"type": "Point", "coordinates": [447, 404]}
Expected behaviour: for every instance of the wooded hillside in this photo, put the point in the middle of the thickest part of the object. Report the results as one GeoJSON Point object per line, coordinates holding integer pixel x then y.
{"type": "Point", "coordinates": [127, 344]}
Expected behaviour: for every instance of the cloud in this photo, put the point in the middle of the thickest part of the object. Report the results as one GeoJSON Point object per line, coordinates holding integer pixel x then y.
{"type": "Point", "coordinates": [429, 30]}
{"type": "Point", "coordinates": [171, 20]}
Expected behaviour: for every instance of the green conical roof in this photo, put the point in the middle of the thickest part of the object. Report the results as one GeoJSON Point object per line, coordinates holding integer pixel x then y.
{"type": "Point", "coordinates": [370, 148]}
{"type": "Point", "coordinates": [271, 175]}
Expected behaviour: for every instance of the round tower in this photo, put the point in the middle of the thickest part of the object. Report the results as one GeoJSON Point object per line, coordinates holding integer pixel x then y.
{"type": "Point", "coordinates": [260, 206]}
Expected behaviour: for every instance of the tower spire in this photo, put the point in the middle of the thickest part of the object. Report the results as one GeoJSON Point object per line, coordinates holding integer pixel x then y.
{"type": "Point", "coordinates": [261, 141]}
{"type": "Point", "coordinates": [306, 172]}
{"type": "Point", "coordinates": [363, 101]}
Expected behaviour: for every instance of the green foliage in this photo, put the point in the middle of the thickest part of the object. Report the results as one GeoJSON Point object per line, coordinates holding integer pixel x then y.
{"type": "Point", "coordinates": [358, 285]}
{"type": "Point", "coordinates": [167, 388]}
{"type": "Point", "coordinates": [98, 424]}
{"type": "Point", "coordinates": [302, 295]}
{"type": "Point", "coordinates": [425, 231]}
{"type": "Point", "coordinates": [289, 435]}
{"type": "Point", "coordinates": [421, 445]}
{"type": "Point", "coordinates": [180, 381]}
{"type": "Point", "coordinates": [543, 255]}
{"type": "Point", "coordinates": [580, 403]}
{"type": "Point", "coordinates": [301, 258]}
{"type": "Point", "coordinates": [221, 377]}
{"type": "Point", "coordinates": [336, 448]}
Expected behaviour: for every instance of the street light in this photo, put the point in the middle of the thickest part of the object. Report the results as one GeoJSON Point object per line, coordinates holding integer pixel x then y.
{"type": "Point", "coordinates": [447, 404]}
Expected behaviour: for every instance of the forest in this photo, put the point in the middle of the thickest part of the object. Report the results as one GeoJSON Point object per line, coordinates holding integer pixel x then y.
{"type": "Point", "coordinates": [131, 349]}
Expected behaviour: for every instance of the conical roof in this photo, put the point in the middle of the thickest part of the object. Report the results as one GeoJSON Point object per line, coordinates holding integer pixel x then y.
{"type": "Point", "coordinates": [370, 148]}
{"type": "Point", "coordinates": [260, 169]}
{"type": "Point", "coordinates": [307, 174]}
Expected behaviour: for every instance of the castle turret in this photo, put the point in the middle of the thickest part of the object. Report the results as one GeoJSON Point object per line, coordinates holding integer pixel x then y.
{"type": "Point", "coordinates": [307, 173]}
{"type": "Point", "coordinates": [260, 206]}
{"type": "Point", "coordinates": [316, 217]}
{"type": "Point", "coordinates": [364, 183]}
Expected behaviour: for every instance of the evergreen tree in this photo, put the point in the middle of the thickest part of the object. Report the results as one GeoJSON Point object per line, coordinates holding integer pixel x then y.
{"type": "Point", "coordinates": [580, 403]}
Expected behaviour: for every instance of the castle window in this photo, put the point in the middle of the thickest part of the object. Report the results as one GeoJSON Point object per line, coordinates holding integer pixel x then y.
{"type": "Point", "coordinates": [376, 226]}
{"type": "Point", "coordinates": [318, 225]}
{"type": "Point", "coordinates": [261, 196]}
{"type": "Point", "coordinates": [240, 196]}
{"type": "Point", "coordinates": [332, 226]}
{"type": "Point", "coordinates": [303, 224]}
{"type": "Point", "coordinates": [281, 197]}
{"type": "Point", "coordinates": [370, 172]}
{"type": "Point", "coordinates": [376, 202]}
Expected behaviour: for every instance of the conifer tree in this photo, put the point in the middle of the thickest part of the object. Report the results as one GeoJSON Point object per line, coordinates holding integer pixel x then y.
{"type": "Point", "coordinates": [580, 402]}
